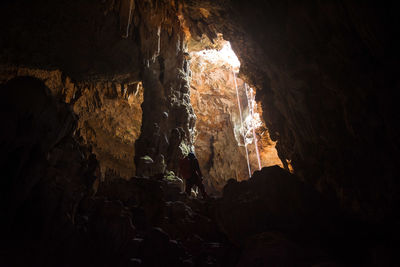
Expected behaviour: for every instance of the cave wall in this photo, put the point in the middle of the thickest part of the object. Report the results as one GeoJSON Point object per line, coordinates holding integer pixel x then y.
{"type": "Point", "coordinates": [43, 167]}
{"type": "Point", "coordinates": [89, 66]}
{"type": "Point", "coordinates": [326, 73]}
{"type": "Point", "coordinates": [105, 49]}
{"type": "Point", "coordinates": [109, 114]}
{"type": "Point", "coordinates": [219, 142]}
{"type": "Point", "coordinates": [326, 76]}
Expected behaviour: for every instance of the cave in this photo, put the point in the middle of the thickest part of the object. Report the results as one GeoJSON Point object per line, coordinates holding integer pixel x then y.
{"type": "Point", "coordinates": [289, 106]}
{"type": "Point", "coordinates": [231, 139]}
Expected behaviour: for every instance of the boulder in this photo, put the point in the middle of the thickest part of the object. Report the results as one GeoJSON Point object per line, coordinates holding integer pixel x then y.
{"type": "Point", "coordinates": [137, 193]}
{"type": "Point", "coordinates": [272, 199]}
{"type": "Point", "coordinates": [110, 226]}
{"type": "Point", "coordinates": [273, 249]}
{"type": "Point", "coordinates": [157, 249]}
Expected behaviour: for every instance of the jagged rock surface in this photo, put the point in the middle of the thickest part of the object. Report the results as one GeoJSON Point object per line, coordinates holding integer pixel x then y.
{"type": "Point", "coordinates": [166, 106]}
{"type": "Point", "coordinates": [109, 114]}
{"type": "Point", "coordinates": [123, 42]}
{"type": "Point", "coordinates": [219, 142]}
{"type": "Point", "coordinates": [54, 212]}
{"type": "Point", "coordinates": [277, 220]}
{"type": "Point", "coordinates": [271, 199]}
{"type": "Point", "coordinates": [327, 88]}
{"type": "Point", "coordinates": [327, 76]}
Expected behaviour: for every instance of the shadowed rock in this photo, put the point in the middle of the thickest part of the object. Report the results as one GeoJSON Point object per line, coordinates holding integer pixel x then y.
{"type": "Point", "coordinates": [272, 199]}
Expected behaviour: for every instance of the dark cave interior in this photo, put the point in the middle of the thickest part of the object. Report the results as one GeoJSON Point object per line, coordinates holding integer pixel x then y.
{"type": "Point", "coordinates": [101, 99]}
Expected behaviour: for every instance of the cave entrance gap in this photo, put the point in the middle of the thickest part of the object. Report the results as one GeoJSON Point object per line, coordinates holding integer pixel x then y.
{"type": "Point", "coordinates": [231, 139]}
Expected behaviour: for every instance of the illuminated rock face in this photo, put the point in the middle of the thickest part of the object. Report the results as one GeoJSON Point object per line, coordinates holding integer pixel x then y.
{"type": "Point", "coordinates": [110, 118]}
{"type": "Point", "coordinates": [328, 93]}
{"type": "Point", "coordinates": [219, 141]}
{"type": "Point", "coordinates": [327, 86]}
{"type": "Point", "coordinates": [101, 45]}
{"type": "Point", "coordinates": [166, 105]}
{"type": "Point", "coordinates": [109, 114]}
{"type": "Point", "coordinates": [102, 48]}
{"type": "Point", "coordinates": [326, 73]}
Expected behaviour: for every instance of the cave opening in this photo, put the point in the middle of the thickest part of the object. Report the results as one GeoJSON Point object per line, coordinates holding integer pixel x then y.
{"type": "Point", "coordinates": [108, 85]}
{"type": "Point", "coordinates": [231, 139]}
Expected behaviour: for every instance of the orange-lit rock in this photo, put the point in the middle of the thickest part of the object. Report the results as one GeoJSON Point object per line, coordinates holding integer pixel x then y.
{"type": "Point", "coordinates": [110, 117]}
{"type": "Point", "coordinates": [109, 114]}
{"type": "Point", "coordinates": [219, 144]}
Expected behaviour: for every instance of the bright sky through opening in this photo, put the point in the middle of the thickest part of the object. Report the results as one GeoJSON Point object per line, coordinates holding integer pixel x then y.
{"type": "Point", "coordinates": [221, 57]}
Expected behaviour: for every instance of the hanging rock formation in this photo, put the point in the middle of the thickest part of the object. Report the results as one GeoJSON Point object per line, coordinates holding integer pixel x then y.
{"type": "Point", "coordinates": [120, 44]}
{"type": "Point", "coordinates": [109, 114]}
{"type": "Point", "coordinates": [166, 106]}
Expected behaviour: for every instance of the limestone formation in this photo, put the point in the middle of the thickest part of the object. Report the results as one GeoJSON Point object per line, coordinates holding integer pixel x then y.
{"type": "Point", "coordinates": [219, 141]}
{"type": "Point", "coordinates": [115, 79]}
{"type": "Point", "coordinates": [109, 114]}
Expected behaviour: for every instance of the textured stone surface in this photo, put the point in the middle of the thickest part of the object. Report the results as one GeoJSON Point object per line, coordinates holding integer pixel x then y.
{"type": "Point", "coordinates": [219, 142]}
{"type": "Point", "coordinates": [271, 199]}
{"type": "Point", "coordinates": [327, 78]}
{"type": "Point", "coordinates": [110, 118]}
{"type": "Point", "coordinates": [52, 215]}
{"type": "Point", "coordinates": [166, 103]}
{"type": "Point", "coordinates": [97, 42]}
{"type": "Point", "coordinates": [109, 114]}
{"type": "Point", "coordinates": [326, 74]}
